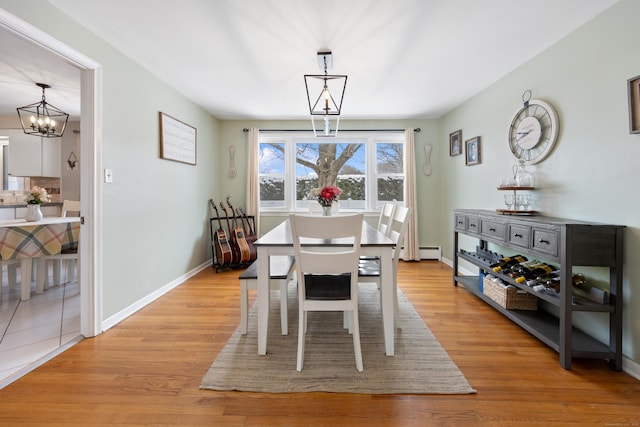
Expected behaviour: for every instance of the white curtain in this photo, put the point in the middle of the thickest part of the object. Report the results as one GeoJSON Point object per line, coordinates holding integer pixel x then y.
{"type": "Point", "coordinates": [253, 188]}
{"type": "Point", "coordinates": [411, 250]}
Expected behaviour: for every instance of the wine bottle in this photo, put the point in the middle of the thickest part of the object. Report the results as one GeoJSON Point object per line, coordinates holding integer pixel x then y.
{"type": "Point", "coordinates": [504, 263]}
{"type": "Point", "coordinates": [530, 273]}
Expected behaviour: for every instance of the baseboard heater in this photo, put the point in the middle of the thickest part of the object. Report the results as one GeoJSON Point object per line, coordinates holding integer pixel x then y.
{"type": "Point", "coordinates": [428, 252]}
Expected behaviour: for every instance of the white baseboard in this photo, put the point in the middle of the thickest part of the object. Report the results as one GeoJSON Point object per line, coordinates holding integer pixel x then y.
{"type": "Point", "coordinates": [128, 311]}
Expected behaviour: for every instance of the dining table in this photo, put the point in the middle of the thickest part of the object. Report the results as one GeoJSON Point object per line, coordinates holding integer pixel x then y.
{"type": "Point", "coordinates": [279, 241]}
{"type": "Point", "coordinates": [26, 241]}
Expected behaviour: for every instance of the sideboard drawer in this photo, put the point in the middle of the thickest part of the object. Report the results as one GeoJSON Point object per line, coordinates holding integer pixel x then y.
{"type": "Point", "coordinates": [461, 223]}
{"type": "Point", "coordinates": [519, 235]}
{"type": "Point", "coordinates": [496, 230]}
{"type": "Point", "coordinates": [473, 224]}
{"type": "Point", "coordinates": [545, 242]}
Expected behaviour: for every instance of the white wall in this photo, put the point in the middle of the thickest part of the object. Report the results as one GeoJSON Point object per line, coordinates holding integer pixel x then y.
{"type": "Point", "coordinates": [592, 174]}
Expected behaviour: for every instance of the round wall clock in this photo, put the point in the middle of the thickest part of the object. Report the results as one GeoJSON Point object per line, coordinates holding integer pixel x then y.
{"type": "Point", "coordinates": [534, 130]}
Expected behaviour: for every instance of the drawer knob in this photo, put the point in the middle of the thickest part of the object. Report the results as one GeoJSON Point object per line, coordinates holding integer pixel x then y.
{"type": "Point", "coordinates": [472, 225]}
{"type": "Point", "coordinates": [543, 241]}
{"type": "Point", "coordinates": [492, 229]}
{"type": "Point", "coordinates": [517, 235]}
{"type": "Point", "coordinates": [460, 222]}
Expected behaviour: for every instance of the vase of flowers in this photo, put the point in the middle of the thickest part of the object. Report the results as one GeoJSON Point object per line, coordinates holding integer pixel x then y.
{"type": "Point", "coordinates": [326, 197]}
{"type": "Point", "coordinates": [34, 198]}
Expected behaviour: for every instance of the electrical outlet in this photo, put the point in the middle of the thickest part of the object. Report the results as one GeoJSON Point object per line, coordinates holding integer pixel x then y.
{"type": "Point", "coordinates": [108, 176]}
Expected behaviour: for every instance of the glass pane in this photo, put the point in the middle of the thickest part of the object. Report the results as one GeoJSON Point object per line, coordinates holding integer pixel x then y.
{"type": "Point", "coordinates": [389, 158]}
{"type": "Point", "coordinates": [271, 159]}
{"type": "Point", "coordinates": [390, 189]}
{"type": "Point", "coordinates": [336, 163]}
{"type": "Point", "coordinates": [271, 191]}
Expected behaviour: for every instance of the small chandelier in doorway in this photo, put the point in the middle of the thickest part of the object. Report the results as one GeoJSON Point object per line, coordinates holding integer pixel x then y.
{"type": "Point", "coordinates": [43, 119]}
{"type": "Point", "coordinates": [324, 94]}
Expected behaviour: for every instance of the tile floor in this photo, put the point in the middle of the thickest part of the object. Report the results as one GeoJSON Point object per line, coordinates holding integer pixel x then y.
{"type": "Point", "coordinates": [32, 331]}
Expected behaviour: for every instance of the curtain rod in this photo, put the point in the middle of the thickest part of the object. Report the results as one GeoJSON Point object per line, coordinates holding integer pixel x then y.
{"type": "Point", "coordinates": [341, 130]}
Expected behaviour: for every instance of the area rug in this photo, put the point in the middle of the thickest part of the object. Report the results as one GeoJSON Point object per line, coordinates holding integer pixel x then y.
{"type": "Point", "coordinates": [420, 364]}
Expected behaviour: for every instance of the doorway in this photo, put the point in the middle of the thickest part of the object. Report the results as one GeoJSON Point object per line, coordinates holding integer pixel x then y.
{"type": "Point", "coordinates": [89, 268]}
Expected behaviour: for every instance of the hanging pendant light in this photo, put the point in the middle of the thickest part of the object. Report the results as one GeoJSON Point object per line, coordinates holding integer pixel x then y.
{"type": "Point", "coordinates": [43, 119]}
{"type": "Point", "coordinates": [324, 94]}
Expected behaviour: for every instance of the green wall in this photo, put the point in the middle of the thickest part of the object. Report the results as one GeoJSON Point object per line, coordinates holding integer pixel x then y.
{"type": "Point", "coordinates": [593, 171]}
{"type": "Point", "coordinates": [155, 212]}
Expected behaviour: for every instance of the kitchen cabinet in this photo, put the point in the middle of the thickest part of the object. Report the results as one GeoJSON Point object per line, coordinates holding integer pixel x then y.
{"type": "Point", "coordinates": [566, 242]}
{"type": "Point", "coordinates": [34, 156]}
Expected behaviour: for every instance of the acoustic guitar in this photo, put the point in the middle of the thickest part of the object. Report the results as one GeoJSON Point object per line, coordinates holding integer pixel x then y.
{"type": "Point", "coordinates": [235, 250]}
{"type": "Point", "coordinates": [249, 234]}
{"type": "Point", "coordinates": [238, 233]}
{"type": "Point", "coordinates": [221, 244]}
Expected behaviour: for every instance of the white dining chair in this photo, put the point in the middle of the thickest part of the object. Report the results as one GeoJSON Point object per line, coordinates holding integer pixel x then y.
{"type": "Point", "coordinates": [327, 275]}
{"type": "Point", "coordinates": [69, 256]}
{"type": "Point", "coordinates": [369, 269]}
{"type": "Point", "coordinates": [386, 215]}
{"type": "Point", "coordinates": [11, 266]}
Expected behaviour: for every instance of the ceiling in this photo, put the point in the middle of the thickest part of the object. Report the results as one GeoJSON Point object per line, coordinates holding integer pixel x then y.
{"type": "Point", "coordinates": [246, 59]}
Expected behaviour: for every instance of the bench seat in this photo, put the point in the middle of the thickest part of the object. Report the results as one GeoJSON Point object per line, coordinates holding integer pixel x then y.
{"type": "Point", "coordinates": [281, 271]}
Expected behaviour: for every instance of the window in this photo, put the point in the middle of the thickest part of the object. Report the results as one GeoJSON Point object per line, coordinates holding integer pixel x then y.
{"type": "Point", "coordinates": [368, 168]}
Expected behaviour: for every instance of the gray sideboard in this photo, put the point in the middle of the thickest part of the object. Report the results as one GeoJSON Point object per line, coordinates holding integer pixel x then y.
{"type": "Point", "coordinates": [567, 243]}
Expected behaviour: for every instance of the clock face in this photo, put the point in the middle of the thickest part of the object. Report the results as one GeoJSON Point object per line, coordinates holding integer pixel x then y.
{"type": "Point", "coordinates": [533, 131]}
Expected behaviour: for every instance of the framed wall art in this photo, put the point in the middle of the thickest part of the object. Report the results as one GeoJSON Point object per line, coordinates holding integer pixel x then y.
{"type": "Point", "coordinates": [177, 140]}
{"type": "Point", "coordinates": [455, 143]}
{"type": "Point", "coordinates": [633, 89]}
{"type": "Point", "coordinates": [472, 151]}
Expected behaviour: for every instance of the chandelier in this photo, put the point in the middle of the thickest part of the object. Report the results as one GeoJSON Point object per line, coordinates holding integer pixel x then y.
{"type": "Point", "coordinates": [43, 119]}
{"type": "Point", "coordinates": [324, 94]}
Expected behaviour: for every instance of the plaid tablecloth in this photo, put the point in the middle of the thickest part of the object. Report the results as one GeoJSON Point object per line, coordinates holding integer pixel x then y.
{"type": "Point", "coordinates": [32, 241]}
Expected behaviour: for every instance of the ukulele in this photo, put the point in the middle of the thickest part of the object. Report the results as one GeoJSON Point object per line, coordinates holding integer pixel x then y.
{"type": "Point", "coordinates": [249, 235]}
{"type": "Point", "coordinates": [238, 233]}
{"type": "Point", "coordinates": [221, 244]}
{"type": "Point", "coordinates": [235, 250]}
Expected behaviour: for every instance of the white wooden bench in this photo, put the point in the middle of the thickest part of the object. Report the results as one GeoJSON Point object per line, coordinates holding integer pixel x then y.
{"type": "Point", "coordinates": [282, 271]}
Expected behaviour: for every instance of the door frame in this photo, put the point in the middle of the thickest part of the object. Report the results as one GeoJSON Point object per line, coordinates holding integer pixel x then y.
{"type": "Point", "coordinates": [90, 256]}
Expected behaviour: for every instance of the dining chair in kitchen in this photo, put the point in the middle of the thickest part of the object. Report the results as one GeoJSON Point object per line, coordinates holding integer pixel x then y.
{"type": "Point", "coordinates": [68, 255]}
{"type": "Point", "coordinates": [327, 273]}
{"type": "Point", "coordinates": [11, 266]}
{"type": "Point", "coordinates": [369, 269]}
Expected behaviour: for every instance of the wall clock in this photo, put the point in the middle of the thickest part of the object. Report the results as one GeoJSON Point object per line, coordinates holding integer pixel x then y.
{"type": "Point", "coordinates": [534, 130]}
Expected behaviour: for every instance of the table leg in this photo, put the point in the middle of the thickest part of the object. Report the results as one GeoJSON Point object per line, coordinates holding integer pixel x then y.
{"type": "Point", "coordinates": [388, 300]}
{"type": "Point", "coordinates": [263, 298]}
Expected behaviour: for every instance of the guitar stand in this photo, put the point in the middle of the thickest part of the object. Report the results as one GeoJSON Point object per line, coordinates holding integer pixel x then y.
{"type": "Point", "coordinates": [217, 264]}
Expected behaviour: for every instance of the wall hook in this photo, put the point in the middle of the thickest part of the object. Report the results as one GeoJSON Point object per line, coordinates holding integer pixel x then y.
{"type": "Point", "coordinates": [72, 160]}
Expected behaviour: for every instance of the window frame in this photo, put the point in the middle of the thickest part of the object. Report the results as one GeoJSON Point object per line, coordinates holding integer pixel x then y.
{"type": "Point", "coordinates": [370, 139]}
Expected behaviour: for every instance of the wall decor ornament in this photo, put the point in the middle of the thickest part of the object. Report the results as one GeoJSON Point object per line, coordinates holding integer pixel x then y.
{"type": "Point", "coordinates": [177, 140]}
{"type": "Point", "coordinates": [455, 143]}
{"type": "Point", "coordinates": [633, 90]}
{"type": "Point", "coordinates": [472, 151]}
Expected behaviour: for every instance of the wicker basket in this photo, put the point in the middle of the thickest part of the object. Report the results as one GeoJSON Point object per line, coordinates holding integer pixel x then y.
{"type": "Point", "coordinates": [509, 298]}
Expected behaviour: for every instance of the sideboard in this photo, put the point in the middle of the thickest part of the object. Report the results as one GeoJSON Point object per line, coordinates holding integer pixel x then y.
{"type": "Point", "coordinates": [568, 244]}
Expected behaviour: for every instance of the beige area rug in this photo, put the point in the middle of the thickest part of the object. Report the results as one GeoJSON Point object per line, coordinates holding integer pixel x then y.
{"type": "Point", "coordinates": [420, 364]}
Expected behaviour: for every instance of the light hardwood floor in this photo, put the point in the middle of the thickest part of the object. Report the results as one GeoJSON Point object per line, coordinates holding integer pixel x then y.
{"type": "Point", "coordinates": [147, 369]}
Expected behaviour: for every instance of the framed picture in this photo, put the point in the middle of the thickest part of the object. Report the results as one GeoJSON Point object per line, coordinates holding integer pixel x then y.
{"type": "Point", "coordinates": [472, 151]}
{"type": "Point", "coordinates": [455, 143]}
{"type": "Point", "coordinates": [177, 140]}
{"type": "Point", "coordinates": [633, 89]}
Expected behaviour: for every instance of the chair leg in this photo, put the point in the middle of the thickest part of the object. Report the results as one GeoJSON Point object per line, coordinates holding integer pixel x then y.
{"type": "Point", "coordinates": [356, 340]}
{"type": "Point", "coordinates": [302, 328]}
{"type": "Point", "coordinates": [284, 323]}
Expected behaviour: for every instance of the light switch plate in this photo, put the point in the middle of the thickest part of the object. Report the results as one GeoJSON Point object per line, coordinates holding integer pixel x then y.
{"type": "Point", "coordinates": [108, 176]}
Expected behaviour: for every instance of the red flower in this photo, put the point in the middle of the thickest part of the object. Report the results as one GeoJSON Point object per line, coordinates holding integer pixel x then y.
{"type": "Point", "coordinates": [328, 194]}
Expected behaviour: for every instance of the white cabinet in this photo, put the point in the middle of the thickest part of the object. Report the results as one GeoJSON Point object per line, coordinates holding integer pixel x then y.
{"type": "Point", "coordinates": [34, 156]}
